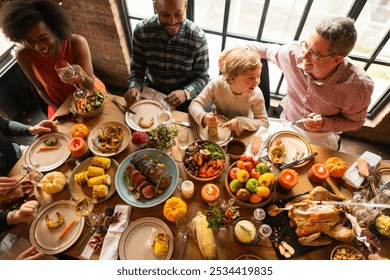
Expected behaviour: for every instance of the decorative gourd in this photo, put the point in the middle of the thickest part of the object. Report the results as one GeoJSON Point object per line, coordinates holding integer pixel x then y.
{"type": "Point", "coordinates": [53, 182]}
{"type": "Point", "coordinates": [174, 207]}
{"type": "Point", "coordinates": [79, 130]}
{"type": "Point", "coordinates": [336, 166]}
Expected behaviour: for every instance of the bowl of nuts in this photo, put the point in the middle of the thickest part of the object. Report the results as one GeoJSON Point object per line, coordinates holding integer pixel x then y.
{"type": "Point", "coordinates": [204, 160]}
{"type": "Point", "coordinates": [346, 252]}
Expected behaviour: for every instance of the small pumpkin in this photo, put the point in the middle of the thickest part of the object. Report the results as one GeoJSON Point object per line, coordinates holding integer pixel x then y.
{"type": "Point", "coordinates": [79, 130]}
{"type": "Point", "coordinates": [336, 166]}
{"type": "Point", "coordinates": [174, 207]}
{"type": "Point", "coordinates": [53, 182]}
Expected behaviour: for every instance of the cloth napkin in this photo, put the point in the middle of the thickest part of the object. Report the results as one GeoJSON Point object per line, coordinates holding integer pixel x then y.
{"type": "Point", "coordinates": [352, 177]}
{"type": "Point", "coordinates": [114, 232]}
{"type": "Point", "coordinates": [264, 133]}
{"type": "Point", "coordinates": [111, 240]}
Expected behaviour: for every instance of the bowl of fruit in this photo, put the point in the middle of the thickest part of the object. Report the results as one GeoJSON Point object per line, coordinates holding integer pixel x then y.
{"type": "Point", "coordinates": [204, 160]}
{"type": "Point", "coordinates": [250, 182]}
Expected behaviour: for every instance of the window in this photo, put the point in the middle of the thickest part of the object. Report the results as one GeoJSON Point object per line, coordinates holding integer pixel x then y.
{"type": "Point", "coordinates": [228, 22]}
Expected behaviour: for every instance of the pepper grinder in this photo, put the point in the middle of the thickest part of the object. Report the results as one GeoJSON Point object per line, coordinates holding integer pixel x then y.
{"type": "Point", "coordinates": [213, 131]}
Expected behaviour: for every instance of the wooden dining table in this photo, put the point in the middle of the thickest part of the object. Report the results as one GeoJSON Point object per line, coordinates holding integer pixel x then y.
{"type": "Point", "coordinates": [227, 247]}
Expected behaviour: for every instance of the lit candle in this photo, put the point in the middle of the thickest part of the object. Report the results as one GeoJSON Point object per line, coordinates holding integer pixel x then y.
{"type": "Point", "coordinates": [187, 189]}
{"type": "Point", "coordinates": [78, 147]}
{"type": "Point", "coordinates": [288, 179]}
{"type": "Point", "coordinates": [210, 193]}
{"type": "Point", "coordinates": [318, 173]}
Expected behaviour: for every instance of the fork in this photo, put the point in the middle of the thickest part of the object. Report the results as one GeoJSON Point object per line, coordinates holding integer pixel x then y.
{"type": "Point", "coordinates": [315, 117]}
{"type": "Point", "coordinates": [91, 232]}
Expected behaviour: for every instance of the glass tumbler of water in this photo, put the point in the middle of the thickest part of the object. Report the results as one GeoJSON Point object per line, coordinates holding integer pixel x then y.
{"type": "Point", "coordinates": [258, 215]}
{"type": "Point", "coordinates": [264, 231]}
{"type": "Point", "coordinates": [183, 139]}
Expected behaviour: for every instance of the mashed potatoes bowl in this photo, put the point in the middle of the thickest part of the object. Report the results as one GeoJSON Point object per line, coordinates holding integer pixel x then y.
{"type": "Point", "coordinates": [244, 231]}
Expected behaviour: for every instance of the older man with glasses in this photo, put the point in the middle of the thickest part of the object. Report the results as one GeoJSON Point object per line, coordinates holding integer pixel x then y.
{"type": "Point", "coordinates": [322, 80]}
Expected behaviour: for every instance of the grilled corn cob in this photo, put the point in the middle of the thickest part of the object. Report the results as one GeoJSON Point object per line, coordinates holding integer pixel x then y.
{"type": "Point", "coordinates": [94, 171]}
{"type": "Point", "coordinates": [161, 244]}
{"type": "Point", "coordinates": [101, 162]}
{"type": "Point", "coordinates": [81, 177]}
{"type": "Point", "coordinates": [99, 191]}
{"type": "Point", "coordinates": [99, 180]}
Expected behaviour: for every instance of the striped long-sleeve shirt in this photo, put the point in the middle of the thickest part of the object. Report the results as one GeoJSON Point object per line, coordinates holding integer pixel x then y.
{"type": "Point", "coordinates": [169, 63]}
{"type": "Point", "coordinates": [10, 151]}
{"type": "Point", "coordinates": [342, 99]}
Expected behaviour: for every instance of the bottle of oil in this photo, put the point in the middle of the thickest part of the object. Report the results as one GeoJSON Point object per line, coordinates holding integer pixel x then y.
{"type": "Point", "coordinates": [213, 130]}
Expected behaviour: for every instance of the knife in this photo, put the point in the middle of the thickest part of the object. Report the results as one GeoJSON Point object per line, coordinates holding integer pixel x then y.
{"type": "Point", "coordinates": [123, 108]}
{"type": "Point", "coordinates": [298, 161]}
{"type": "Point", "coordinates": [186, 124]}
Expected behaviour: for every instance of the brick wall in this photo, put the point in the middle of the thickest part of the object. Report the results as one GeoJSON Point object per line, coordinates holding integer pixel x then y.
{"type": "Point", "coordinates": [379, 134]}
{"type": "Point", "coordinates": [99, 23]}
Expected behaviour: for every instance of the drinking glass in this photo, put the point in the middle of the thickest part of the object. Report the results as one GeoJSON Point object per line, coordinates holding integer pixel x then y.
{"type": "Point", "coordinates": [183, 226]}
{"type": "Point", "coordinates": [264, 231]}
{"type": "Point", "coordinates": [83, 207]}
{"type": "Point", "coordinates": [183, 139]}
{"type": "Point", "coordinates": [164, 116]}
{"type": "Point", "coordinates": [68, 74]}
{"type": "Point", "coordinates": [258, 215]}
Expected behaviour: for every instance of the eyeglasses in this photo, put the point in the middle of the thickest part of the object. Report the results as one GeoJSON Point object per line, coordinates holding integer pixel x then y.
{"type": "Point", "coordinates": [32, 44]}
{"type": "Point", "coordinates": [314, 56]}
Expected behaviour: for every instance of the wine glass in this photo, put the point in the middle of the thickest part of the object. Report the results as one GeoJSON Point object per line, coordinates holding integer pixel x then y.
{"type": "Point", "coordinates": [164, 116]}
{"type": "Point", "coordinates": [83, 207]}
{"type": "Point", "coordinates": [68, 74]}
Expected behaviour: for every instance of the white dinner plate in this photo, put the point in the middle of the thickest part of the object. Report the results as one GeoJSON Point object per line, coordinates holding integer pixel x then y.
{"type": "Point", "coordinates": [223, 137]}
{"type": "Point", "coordinates": [146, 109]}
{"type": "Point", "coordinates": [295, 143]}
{"type": "Point", "coordinates": [77, 191]}
{"type": "Point", "coordinates": [45, 239]}
{"type": "Point", "coordinates": [133, 240]}
{"type": "Point", "coordinates": [128, 196]}
{"type": "Point", "coordinates": [94, 135]}
{"type": "Point", "coordinates": [50, 159]}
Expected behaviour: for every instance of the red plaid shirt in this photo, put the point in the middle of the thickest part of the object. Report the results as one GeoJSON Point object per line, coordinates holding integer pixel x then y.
{"type": "Point", "coordinates": [342, 99]}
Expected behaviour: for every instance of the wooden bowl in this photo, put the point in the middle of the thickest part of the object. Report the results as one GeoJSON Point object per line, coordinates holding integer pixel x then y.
{"type": "Point", "coordinates": [261, 204]}
{"type": "Point", "coordinates": [345, 251]}
{"type": "Point", "coordinates": [235, 148]}
{"type": "Point", "coordinates": [192, 169]}
{"type": "Point", "coordinates": [93, 113]}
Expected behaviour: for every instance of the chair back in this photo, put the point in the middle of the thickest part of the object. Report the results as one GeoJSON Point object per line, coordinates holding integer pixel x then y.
{"type": "Point", "coordinates": [264, 84]}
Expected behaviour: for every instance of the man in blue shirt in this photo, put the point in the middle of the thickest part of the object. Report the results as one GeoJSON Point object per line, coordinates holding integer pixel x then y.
{"type": "Point", "coordinates": [170, 55]}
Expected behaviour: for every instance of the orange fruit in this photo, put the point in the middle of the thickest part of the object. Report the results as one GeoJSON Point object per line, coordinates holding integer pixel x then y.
{"type": "Point", "coordinates": [255, 198]}
{"type": "Point", "coordinates": [264, 192]}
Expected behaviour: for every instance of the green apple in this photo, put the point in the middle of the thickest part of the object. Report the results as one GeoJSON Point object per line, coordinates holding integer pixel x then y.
{"type": "Point", "coordinates": [252, 184]}
{"type": "Point", "coordinates": [235, 185]}
{"type": "Point", "coordinates": [262, 167]}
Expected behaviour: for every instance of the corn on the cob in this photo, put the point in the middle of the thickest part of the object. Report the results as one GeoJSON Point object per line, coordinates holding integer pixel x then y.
{"type": "Point", "coordinates": [161, 243]}
{"type": "Point", "coordinates": [204, 236]}
{"type": "Point", "coordinates": [101, 162]}
{"type": "Point", "coordinates": [99, 191]}
{"type": "Point", "coordinates": [99, 180]}
{"type": "Point", "coordinates": [81, 177]}
{"type": "Point", "coordinates": [94, 171]}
